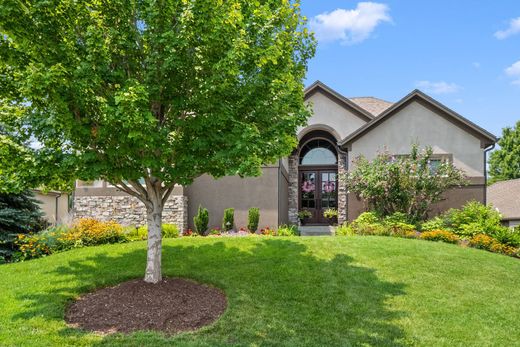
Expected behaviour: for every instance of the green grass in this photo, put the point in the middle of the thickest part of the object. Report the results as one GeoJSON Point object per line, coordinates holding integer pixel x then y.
{"type": "Point", "coordinates": [327, 291]}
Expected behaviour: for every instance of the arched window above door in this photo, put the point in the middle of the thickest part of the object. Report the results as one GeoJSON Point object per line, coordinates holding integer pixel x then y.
{"type": "Point", "coordinates": [318, 152]}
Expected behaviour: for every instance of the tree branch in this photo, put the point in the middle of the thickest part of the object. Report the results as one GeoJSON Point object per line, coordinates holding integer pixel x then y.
{"type": "Point", "coordinates": [166, 195]}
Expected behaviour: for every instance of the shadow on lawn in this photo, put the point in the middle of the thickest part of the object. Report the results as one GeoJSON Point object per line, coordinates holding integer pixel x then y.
{"type": "Point", "coordinates": [278, 292]}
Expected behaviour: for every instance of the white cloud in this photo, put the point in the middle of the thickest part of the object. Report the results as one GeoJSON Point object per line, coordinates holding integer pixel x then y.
{"type": "Point", "coordinates": [514, 28]}
{"type": "Point", "coordinates": [350, 26]}
{"type": "Point", "coordinates": [514, 72]}
{"type": "Point", "coordinates": [438, 87]}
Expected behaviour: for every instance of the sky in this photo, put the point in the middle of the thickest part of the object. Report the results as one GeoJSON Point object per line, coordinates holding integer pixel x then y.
{"type": "Point", "coordinates": [465, 54]}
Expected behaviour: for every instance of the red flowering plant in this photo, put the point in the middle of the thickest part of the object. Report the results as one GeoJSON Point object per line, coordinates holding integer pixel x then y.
{"type": "Point", "coordinates": [187, 232]}
{"type": "Point", "coordinates": [267, 231]}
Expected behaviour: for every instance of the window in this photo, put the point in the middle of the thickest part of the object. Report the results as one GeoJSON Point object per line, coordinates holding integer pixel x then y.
{"type": "Point", "coordinates": [318, 152]}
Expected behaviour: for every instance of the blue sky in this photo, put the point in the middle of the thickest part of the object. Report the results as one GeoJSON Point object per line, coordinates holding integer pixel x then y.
{"type": "Point", "coordinates": [460, 52]}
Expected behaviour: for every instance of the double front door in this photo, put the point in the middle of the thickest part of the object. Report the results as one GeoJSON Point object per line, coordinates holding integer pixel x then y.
{"type": "Point", "coordinates": [318, 191]}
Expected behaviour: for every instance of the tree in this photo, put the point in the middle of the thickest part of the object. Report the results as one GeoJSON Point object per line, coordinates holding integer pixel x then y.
{"type": "Point", "coordinates": [19, 214]}
{"type": "Point", "coordinates": [504, 163]}
{"type": "Point", "coordinates": [163, 91]}
{"type": "Point", "coordinates": [407, 184]}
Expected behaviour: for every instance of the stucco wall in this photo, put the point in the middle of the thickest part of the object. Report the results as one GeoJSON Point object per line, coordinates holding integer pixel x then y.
{"type": "Point", "coordinates": [330, 113]}
{"type": "Point", "coordinates": [238, 193]}
{"type": "Point", "coordinates": [417, 124]}
{"type": "Point", "coordinates": [48, 206]}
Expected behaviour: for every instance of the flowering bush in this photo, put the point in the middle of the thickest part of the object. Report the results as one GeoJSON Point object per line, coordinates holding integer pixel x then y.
{"type": "Point", "coordinates": [187, 232]}
{"type": "Point", "coordinates": [407, 184]}
{"type": "Point", "coordinates": [486, 242]}
{"type": "Point", "coordinates": [267, 231]}
{"type": "Point", "coordinates": [440, 235]}
{"type": "Point", "coordinates": [88, 232]}
{"type": "Point", "coordinates": [31, 246]}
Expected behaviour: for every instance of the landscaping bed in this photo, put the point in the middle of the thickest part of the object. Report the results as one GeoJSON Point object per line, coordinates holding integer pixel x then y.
{"type": "Point", "coordinates": [170, 306]}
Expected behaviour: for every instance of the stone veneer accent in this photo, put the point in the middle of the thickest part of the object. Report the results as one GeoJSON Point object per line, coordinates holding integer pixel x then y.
{"type": "Point", "coordinates": [293, 189]}
{"type": "Point", "coordinates": [342, 189]}
{"type": "Point", "coordinates": [128, 210]}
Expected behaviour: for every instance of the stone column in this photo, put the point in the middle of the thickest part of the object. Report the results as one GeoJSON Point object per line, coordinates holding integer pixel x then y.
{"type": "Point", "coordinates": [293, 189]}
{"type": "Point", "coordinates": [342, 189]}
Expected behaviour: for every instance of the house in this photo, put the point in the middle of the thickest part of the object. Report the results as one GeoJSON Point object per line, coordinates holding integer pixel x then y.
{"type": "Point", "coordinates": [339, 130]}
{"type": "Point", "coordinates": [505, 197]}
{"type": "Point", "coordinates": [54, 205]}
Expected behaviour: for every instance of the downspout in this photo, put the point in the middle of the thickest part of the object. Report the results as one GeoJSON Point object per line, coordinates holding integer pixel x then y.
{"type": "Point", "coordinates": [486, 150]}
{"type": "Point", "coordinates": [56, 210]}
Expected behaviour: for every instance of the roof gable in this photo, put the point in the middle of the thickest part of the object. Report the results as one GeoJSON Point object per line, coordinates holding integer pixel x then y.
{"type": "Point", "coordinates": [485, 137]}
{"type": "Point", "coordinates": [339, 99]}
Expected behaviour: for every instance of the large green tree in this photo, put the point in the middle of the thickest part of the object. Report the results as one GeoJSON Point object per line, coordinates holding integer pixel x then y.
{"type": "Point", "coordinates": [164, 90]}
{"type": "Point", "coordinates": [504, 163]}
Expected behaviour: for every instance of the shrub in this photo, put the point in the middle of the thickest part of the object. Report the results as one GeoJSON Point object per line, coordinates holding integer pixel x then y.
{"type": "Point", "coordinates": [344, 229]}
{"type": "Point", "coordinates": [88, 232]}
{"type": "Point", "coordinates": [303, 214]}
{"type": "Point", "coordinates": [402, 184]}
{"type": "Point", "coordinates": [32, 246]}
{"type": "Point", "coordinates": [472, 219]}
{"type": "Point", "coordinates": [440, 235]}
{"type": "Point", "coordinates": [436, 223]}
{"type": "Point", "coordinates": [201, 221]}
{"type": "Point", "coordinates": [167, 231]}
{"type": "Point", "coordinates": [287, 230]}
{"type": "Point", "coordinates": [397, 225]}
{"type": "Point", "coordinates": [215, 231]}
{"type": "Point", "coordinates": [507, 236]}
{"type": "Point", "coordinates": [229, 219]}
{"type": "Point", "coordinates": [369, 223]}
{"type": "Point", "coordinates": [253, 218]}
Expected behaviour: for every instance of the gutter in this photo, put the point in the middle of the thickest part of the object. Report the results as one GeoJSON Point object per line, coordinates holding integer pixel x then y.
{"type": "Point", "coordinates": [486, 150]}
{"type": "Point", "coordinates": [56, 210]}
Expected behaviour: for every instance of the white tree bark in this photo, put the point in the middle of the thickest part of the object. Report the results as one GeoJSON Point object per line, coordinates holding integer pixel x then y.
{"type": "Point", "coordinates": [154, 196]}
{"type": "Point", "coordinates": [154, 254]}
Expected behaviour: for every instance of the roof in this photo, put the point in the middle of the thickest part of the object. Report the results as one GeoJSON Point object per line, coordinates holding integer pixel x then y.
{"type": "Point", "coordinates": [340, 99]}
{"type": "Point", "coordinates": [373, 105]}
{"type": "Point", "coordinates": [505, 196]}
{"type": "Point", "coordinates": [486, 137]}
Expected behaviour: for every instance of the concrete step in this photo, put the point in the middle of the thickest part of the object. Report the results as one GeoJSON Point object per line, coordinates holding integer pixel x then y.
{"type": "Point", "coordinates": [316, 230]}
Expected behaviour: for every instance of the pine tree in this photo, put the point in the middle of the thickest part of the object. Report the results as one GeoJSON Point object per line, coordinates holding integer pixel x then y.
{"type": "Point", "coordinates": [19, 214]}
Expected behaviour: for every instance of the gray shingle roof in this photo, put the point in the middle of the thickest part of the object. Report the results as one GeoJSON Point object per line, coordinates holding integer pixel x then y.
{"type": "Point", "coordinates": [505, 196]}
{"type": "Point", "coordinates": [373, 105]}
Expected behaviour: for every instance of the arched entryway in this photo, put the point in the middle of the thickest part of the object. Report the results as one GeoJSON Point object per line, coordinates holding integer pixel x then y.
{"type": "Point", "coordinates": [317, 175]}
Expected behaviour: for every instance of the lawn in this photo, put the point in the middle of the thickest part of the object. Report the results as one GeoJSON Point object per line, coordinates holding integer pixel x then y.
{"type": "Point", "coordinates": [327, 291]}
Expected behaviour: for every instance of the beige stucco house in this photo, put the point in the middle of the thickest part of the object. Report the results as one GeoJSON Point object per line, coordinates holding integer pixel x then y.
{"type": "Point", "coordinates": [339, 130]}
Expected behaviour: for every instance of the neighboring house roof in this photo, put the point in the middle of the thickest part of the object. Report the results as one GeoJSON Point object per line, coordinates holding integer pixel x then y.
{"type": "Point", "coordinates": [486, 137]}
{"type": "Point", "coordinates": [373, 105]}
{"type": "Point", "coordinates": [505, 196]}
{"type": "Point", "coordinates": [340, 99]}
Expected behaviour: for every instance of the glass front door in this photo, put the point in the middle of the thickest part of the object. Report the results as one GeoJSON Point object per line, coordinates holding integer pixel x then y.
{"type": "Point", "coordinates": [318, 191]}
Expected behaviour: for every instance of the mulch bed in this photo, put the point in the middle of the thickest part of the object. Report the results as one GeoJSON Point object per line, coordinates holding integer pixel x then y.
{"type": "Point", "coordinates": [170, 306]}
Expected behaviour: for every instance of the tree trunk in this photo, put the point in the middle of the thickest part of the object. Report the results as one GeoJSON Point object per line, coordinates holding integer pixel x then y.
{"type": "Point", "coordinates": [153, 260]}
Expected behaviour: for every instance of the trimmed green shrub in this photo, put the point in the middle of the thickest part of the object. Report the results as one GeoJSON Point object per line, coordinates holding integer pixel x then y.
{"type": "Point", "coordinates": [201, 221]}
{"type": "Point", "coordinates": [344, 229]}
{"type": "Point", "coordinates": [229, 219]}
{"type": "Point", "coordinates": [369, 223]}
{"type": "Point", "coordinates": [253, 218]}
{"type": "Point", "coordinates": [168, 231]}
{"type": "Point", "coordinates": [472, 219]}
{"type": "Point", "coordinates": [287, 230]}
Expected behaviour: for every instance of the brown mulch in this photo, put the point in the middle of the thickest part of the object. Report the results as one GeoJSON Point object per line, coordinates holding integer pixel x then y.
{"type": "Point", "coordinates": [170, 306]}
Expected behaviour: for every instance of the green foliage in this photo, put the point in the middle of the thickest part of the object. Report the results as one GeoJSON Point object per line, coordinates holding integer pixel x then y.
{"type": "Point", "coordinates": [369, 223]}
{"type": "Point", "coordinates": [229, 219]}
{"type": "Point", "coordinates": [141, 233]}
{"type": "Point", "coordinates": [201, 221]}
{"type": "Point", "coordinates": [344, 229]}
{"type": "Point", "coordinates": [473, 218]}
{"type": "Point", "coordinates": [489, 243]}
{"type": "Point", "coordinates": [303, 214]}
{"type": "Point", "coordinates": [507, 236]}
{"type": "Point", "coordinates": [504, 163]}
{"type": "Point", "coordinates": [436, 223]}
{"type": "Point", "coordinates": [287, 230]}
{"type": "Point", "coordinates": [168, 90]}
{"type": "Point", "coordinates": [404, 184]}
{"type": "Point", "coordinates": [253, 218]}
{"type": "Point", "coordinates": [330, 213]}
{"type": "Point", "coordinates": [19, 213]}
